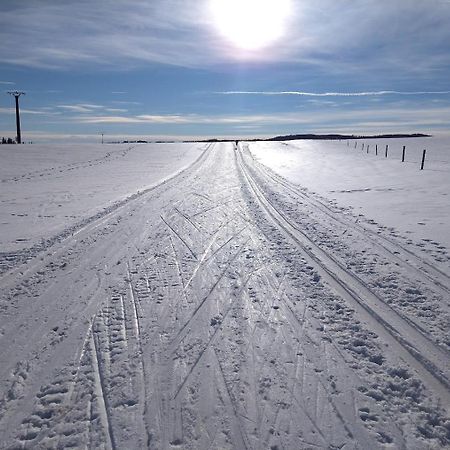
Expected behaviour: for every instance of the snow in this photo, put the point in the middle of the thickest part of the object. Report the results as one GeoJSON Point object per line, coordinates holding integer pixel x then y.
{"type": "Point", "coordinates": [390, 192]}
{"type": "Point", "coordinates": [224, 308]}
{"type": "Point", "coordinates": [47, 188]}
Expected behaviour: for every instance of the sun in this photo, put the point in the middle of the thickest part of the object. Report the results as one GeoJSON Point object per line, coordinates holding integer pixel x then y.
{"type": "Point", "coordinates": [251, 24]}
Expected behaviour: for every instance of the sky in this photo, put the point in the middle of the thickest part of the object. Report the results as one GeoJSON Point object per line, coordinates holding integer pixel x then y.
{"type": "Point", "coordinates": [187, 69]}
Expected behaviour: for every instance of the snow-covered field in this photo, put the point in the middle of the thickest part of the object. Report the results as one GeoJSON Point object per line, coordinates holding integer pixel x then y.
{"type": "Point", "coordinates": [45, 190]}
{"type": "Point", "coordinates": [257, 300]}
{"type": "Point", "coordinates": [395, 194]}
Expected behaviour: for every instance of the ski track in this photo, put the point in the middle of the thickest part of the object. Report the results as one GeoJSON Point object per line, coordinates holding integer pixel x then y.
{"type": "Point", "coordinates": [419, 265]}
{"type": "Point", "coordinates": [357, 292]}
{"type": "Point", "coordinates": [234, 311]}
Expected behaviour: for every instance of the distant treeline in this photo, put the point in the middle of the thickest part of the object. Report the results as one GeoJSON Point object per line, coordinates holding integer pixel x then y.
{"type": "Point", "coordinates": [328, 137]}
{"type": "Point", "coordinates": [292, 137]}
{"type": "Point", "coordinates": [7, 141]}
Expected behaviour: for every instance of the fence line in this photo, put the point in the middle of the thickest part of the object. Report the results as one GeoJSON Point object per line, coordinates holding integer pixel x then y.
{"type": "Point", "coordinates": [386, 152]}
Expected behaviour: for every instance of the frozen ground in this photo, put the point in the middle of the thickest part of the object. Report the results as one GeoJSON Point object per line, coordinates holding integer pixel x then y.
{"type": "Point", "coordinates": [227, 308]}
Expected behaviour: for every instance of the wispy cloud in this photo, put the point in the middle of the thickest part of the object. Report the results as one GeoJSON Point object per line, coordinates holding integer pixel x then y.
{"type": "Point", "coordinates": [91, 106]}
{"type": "Point", "coordinates": [7, 82]}
{"type": "Point", "coordinates": [408, 36]}
{"type": "Point", "coordinates": [88, 109]}
{"type": "Point", "coordinates": [39, 112]}
{"type": "Point", "coordinates": [75, 108]}
{"type": "Point", "coordinates": [400, 117]}
{"type": "Point", "coordinates": [334, 94]}
{"type": "Point", "coordinates": [81, 107]}
{"type": "Point", "coordinates": [116, 102]}
{"type": "Point", "coordinates": [116, 110]}
{"type": "Point", "coordinates": [174, 126]}
{"type": "Point", "coordinates": [46, 34]}
{"type": "Point", "coordinates": [146, 118]}
{"type": "Point", "coordinates": [333, 52]}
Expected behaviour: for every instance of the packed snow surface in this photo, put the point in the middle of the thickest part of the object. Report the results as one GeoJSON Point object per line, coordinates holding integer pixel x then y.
{"type": "Point", "coordinates": [46, 188]}
{"type": "Point", "coordinates": [393, 193]}
{"type": "Point", "coordinates": [202, 296]}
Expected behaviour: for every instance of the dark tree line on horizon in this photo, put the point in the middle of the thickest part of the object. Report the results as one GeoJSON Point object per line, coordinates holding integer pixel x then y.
{"type": "Point", "coordinates": [7, 141]}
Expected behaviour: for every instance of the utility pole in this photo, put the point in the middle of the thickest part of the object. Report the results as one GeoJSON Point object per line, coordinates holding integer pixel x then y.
{"type": "Point", "coordinates": [16, 95]}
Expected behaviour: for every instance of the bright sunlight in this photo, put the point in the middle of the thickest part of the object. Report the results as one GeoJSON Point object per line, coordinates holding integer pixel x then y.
{"type": "Point", "coordinates": [251, 24]}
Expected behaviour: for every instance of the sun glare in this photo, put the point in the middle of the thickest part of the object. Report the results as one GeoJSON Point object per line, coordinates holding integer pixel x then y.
{"type": "Point", "coordinates": [251, 24]}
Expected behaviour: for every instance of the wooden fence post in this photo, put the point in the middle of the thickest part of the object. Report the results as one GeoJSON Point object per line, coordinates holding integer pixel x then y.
{"type": "Point", "coordinates": [423, 159]}
{"type": "Point", "coordinates": [376, 149]}
{"type": "Point", "coordinates": [386, 153]}
{"type": "Point", "coordinates": [403, 153]}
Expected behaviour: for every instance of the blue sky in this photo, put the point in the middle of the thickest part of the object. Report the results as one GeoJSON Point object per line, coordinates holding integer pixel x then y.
{"type": "Point", "coordinates": [174, 69]}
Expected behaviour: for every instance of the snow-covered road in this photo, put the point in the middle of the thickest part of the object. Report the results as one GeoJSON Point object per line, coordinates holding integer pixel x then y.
{"type": "Point", "coordinates": [226, 308]}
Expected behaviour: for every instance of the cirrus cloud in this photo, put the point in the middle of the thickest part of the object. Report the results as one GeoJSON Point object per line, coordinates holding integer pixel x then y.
{"type": "Point", "coordinates": [334, 94]}
{"type": "Point", "coordinates": [341, 35]}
